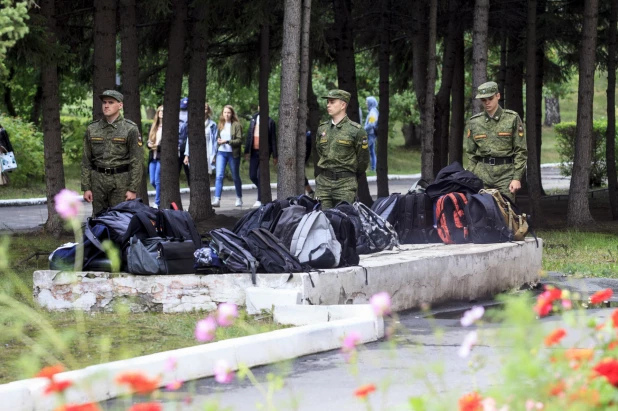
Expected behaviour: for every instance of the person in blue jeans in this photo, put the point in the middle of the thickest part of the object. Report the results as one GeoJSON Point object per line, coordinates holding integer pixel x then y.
{"type": "Point", "coordinates": [371, 127]}
{"type": "Point", "coordinates": [229, 144]}
{"type": "Point", "coordinates": [154, 155]}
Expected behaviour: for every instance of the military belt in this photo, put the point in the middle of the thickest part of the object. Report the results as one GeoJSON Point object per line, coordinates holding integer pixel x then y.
{"type": "Point", "coordinates": [112, 170]}
{"type": "Point", "coordinates": [335, 175]}
{"type": "Point", "coordinates": [497, 161]}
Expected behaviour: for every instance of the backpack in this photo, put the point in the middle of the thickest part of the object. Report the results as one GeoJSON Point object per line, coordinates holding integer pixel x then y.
{"type": "Point", "coordinates": [178, 224]}
{"type": "Point", "coordinates": [285, 224]}
{"type": "Point", "coordinates": [232, 250]}
{"type": "Point", "coordinates": [273, 256]}
{"type": "Point", "coordinates": [454, 179]}
{"type": "Point", "coordinates": [304, 200]}
{"type": "Point", "coordinates": [260, 217]}
{"type": "Point", "coordinates": [414, 223]}
{"type": "Point", "coordinates": [518, 223]}
{"type": "Point", "coordinates": [381, 234]}
{"type": "Point", "coordinates": [117, 219]}
{"type": "Point", "coordinates": [363, 242]}
{"type": "Point", "coordinates": [386, 207]}
{"type": "Point", "coordinates": [485, 221]}
{"type": "Point", "coordinates": [345, 234]}
{"type": "Point", "coordinates": [450, 218]}
{"type": "Point", "coordinates": [314, 241]}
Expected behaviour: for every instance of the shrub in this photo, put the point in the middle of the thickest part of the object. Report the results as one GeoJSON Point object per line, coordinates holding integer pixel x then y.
{"type": "Point", "coordinates": [73, 130]}
{"type": "Point", "coordinates": [565, 134]}
{"type": "Point", "coordinates": [28, 148]}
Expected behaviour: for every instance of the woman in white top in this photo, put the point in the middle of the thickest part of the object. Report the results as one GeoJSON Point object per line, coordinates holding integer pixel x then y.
{"type": "Point", "coordinates": [154, 156]}
{"type": "Point", "coordinates": [228, 152]}
{"type": "Point", "coordinates": [211, 133]}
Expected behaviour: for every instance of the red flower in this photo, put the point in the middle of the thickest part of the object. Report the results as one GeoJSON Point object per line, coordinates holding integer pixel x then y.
{"type": "Point", "coordinates": [50, 371]}
{"type": "Point", "coordinates": [471, 402]}
{"type": "Point", "coordinates": [601, 296]}
{"type": "Point", "coordinates": [364, 391]}
{"type": "Point", "coordinates": [146, 406]}
{"type": "Point", "coordinates": [81, 407]}
{"type": "Point", "coordinates": [554, 337]}
{"type": "Point", "coordinates": [615, 318]}
{"type": "Point", "coordinates": [609, 369]}
{"type": "Point", "coordinates": [57, 386]}
{"type": "Point", "coordinates": [612, 345]}
{"type": "Point", "coordinates": [546, 299]}
{"type": "Point", "coordinates": [139, 383]}
{"type": "Point", "coordinates": [557, 388]}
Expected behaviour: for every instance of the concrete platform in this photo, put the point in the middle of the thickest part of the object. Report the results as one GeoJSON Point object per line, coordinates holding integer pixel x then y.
{"type": "Point", "coordinates": [413, 275]}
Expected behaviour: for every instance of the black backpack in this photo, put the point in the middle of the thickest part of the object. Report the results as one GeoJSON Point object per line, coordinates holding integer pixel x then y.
{"type": "Point", "coordinates": [387, 207]}
{"type": "Point", "coordinates": [260, 217]}
{"type": "Point", "coordinates": [414, 223]}
{"type": "Point", "coordinates": [233, 252]}
{"type": "Point", "coordinates": [363, 243]}
{"type": "Point", "coordinates": [179, 224]}
{"type": "Point", "coordinates": [454, 179]}
{"type": "Point", "coordinates": [485, 221]}
{"type": "Point", "coordinates": [273, 256]}
{"type": "Point", "coordinates": [346, 235]}
{"type": "Point", "coordinates": [285, 224]}
{"type": "Point", "coordinates": [117, 218]}
{"type": "Point", "coordinates": [304, 200]}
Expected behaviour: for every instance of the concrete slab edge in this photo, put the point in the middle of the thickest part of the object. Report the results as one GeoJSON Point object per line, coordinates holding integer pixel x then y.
{"type": "Point", "coordinates": [96, 383]}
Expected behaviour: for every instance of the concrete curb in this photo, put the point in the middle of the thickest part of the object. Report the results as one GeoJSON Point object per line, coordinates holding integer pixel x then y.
{"type": "Point", "coordinates": [96, 383]}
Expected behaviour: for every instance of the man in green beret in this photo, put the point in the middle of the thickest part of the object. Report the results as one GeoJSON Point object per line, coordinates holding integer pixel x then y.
{"type": "Point", "coordinates": [113, 157]}
{"type": "Point", "coordinates": [343, 153]}
{"type": "Point", "coordinates": [496, 144]}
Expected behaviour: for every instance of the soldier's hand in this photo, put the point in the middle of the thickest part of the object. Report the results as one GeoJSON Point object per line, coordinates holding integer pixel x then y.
{"type": "Point", "coordinates": [186, 160]}
{"type": "Point", "coordinates": [130, 195]}
{"type": "Point", "coordinates": [514, 186]}
{"type": "Point", "coordinates": [88, 196]}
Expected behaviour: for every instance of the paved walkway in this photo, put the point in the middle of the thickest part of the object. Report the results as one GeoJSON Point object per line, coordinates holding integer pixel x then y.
{"type": "Point", "coordinates": [14, 216]}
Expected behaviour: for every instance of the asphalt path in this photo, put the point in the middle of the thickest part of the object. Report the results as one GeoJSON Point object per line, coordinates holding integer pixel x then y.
{"type": "Point", "coordinates": [15, 218]}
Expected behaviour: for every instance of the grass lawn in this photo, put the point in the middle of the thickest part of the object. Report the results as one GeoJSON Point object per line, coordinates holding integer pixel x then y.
{"type": "Point", "coordinates": [77, 339]}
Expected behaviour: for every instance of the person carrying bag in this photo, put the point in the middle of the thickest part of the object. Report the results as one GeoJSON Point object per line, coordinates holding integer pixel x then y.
{"type": "Point", "coordinates": [7, 157]}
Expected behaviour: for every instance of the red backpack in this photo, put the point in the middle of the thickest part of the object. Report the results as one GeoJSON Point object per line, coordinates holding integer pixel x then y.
{"type": "Point", "coordinates": [450, 218]}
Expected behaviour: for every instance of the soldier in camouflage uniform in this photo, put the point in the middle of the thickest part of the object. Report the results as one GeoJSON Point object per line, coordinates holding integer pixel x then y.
{"type": "Point", "coordinates": [496, 144]}
{"type": "Point", "coordinates": [113, 156]}
{"type": "Point", "coordinates": [343, 153]}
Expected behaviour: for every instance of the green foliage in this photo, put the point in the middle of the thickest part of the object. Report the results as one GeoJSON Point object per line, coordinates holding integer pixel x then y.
{"type": "Point", "coordinates": [565, 134]}
{"type": "Point", "coordinates": [28, 147]}
{"type": "Point", "coordinates": [73, 130]}
{"type": "Point", "coordinates": [13, 16]}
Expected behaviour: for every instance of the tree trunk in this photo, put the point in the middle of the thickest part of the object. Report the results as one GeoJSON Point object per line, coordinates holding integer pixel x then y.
{"type": "Point", "coordinates": [578, 211]}
{"type": "Point", "coordinates": [540, 74]}
{"type": "Point", "coordinates": [35, 114]}
{"type": "Point", "coordinates": [610, 135]}
{"type": "Point", "coordinates": [265, 191]}
{"type": "Point", "coordinates": [427, 158]}
{"type": "Point", "coordinates": [455, 144]}
{"type": "Point", "coordinates": [443, 98]}
{"type": "Point", "coordinates": [419, 57]}
{"type": "Point", "coordinates": [129, 75]}
{"type": "Point", "coordinates": [513, 90]}
{"type": "Point", "coordinates": [346, 75]}
{"type": "Point", "coordinates": [199, 206]}
{"type": "Point", "coordinates": [412, 135]}
{"type": "Point", "coordinates": [170, 186]}
{"type": "Point", "coordinates": [52, 140]}
{"type": "Point", "coordinates": [104, 56]}
{"type": "Point", "coordinates": [314, 120]}
{"type": "Point", "coordinates": [534, 169]}
{"type": "Point", "coordinates": [552, 111]}
{"type": "Point", "coordinates": [288, 117]}
{"type": "Point", "coordinates": [383, 125]}
{"type": "Point", "coordinates": [502, 71]}
{"type": "Point", "coordinates": [479, 50]}
{"type": "Point", "coordinates": [301, 145]}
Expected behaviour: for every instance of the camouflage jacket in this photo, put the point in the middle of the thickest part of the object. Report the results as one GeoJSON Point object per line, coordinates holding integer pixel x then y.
{"type": "Point", "coordinates": [342, 147]}
{"type": "Point", "coordinates": [112, 145]}
{"type": "Point", "coordinates": [502, 135]}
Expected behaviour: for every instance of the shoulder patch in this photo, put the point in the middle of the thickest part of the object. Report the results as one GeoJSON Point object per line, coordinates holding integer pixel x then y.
{"type": "Point", "coordinates": [477, 115]}
{"type": "Point", "coordinates": [130, 122]}
{"type": "Point", "coordinates": [324, 122]}
{"type": "Point", "coordinates": [506, 110]}
{"type": "Point", "coordinates": [355, 124]}
{"type": "Point", "coordinates": [94, 121]}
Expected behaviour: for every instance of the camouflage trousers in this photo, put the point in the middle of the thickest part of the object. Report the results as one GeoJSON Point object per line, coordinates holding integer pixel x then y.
{"type": "Point", "coordinates": [108, 190]}
{"type": "Point", "coordinates": [497, 176]}
{"type": "Point", "coordinates": [330, 191]}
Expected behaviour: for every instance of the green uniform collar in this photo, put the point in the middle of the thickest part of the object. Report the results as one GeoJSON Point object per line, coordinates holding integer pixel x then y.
{"type": "Point", "coordinates": [497, 115]}
{"type": "Point", "coordinates": [114, 124]}
{"type": "Point", "coordinates": [339, 124]}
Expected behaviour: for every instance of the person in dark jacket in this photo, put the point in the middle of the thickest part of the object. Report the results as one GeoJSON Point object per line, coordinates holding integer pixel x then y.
{"type": "Point", "coordinates": [183, 133]}
{"type": "Point", "coordinates": [252, 150]}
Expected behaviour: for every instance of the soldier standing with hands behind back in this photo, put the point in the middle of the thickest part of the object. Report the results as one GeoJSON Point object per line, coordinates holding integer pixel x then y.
{"type": "Point", "coordinates": [496, 144]}
{"type": "Point", "coordinates": [343, 153]}
{"type": "Point", "coordinates": [112, 158]}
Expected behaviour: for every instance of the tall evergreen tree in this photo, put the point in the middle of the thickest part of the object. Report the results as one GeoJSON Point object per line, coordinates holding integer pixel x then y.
{"type": "Point", "coordinates": [265, 190]}
{"type": "Point", "coordinates": [302, 101]}
{"type": "Point", "coordinates": [610, 134]}
{"type": "Point", "coordinates": [479, 51]}
{"type": "Point", "coordinates": [427, 154]}
{"type": "Point", "coordinates": [104, 55]}
{"type": "Point", "coordinates": [384, 57]}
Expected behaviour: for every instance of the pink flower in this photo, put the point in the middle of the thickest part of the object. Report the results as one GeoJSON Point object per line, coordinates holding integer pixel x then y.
{"type": "Point", "coordinates": [350, 342]}
{"type": "Point", "coordinates": [205, 329]}
{"type": "Point", "coordinates": [68, 204]}
{"type": "Point", "coordinates": [381, 303]}
{"type": "Point", "coordinates": [469, 341]}
{"type": "Point", "coordinates": [223, 372]}
{"type": "Point", "coordinates": [566, 304]}
{"type": "Point", "coordinates": [532, 405]}
{"type": "Point", "coordinates": [226, 314]}
{"type": "Point", "coordinates": [170, 364]}
{"type": "Point", "coordinates": [489, 404]}
{"type": "Point", "coordinates": [174, 385]}
{"type": "Point", "coordinates": [472, 315]}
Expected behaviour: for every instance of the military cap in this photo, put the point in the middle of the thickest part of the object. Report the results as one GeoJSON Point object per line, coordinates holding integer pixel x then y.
{"type": "Point", "coordinates": [487, 89]}
{"type": "Point", "coordinates": [184, 103]}
{"type": "Point", "coordinates": [116, 95]}
{"type": "Point", "coordinates": [340, 94]}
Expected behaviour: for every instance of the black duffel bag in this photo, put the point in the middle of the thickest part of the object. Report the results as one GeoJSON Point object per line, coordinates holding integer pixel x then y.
{"type": "Point", "coordinates": [156, 255]}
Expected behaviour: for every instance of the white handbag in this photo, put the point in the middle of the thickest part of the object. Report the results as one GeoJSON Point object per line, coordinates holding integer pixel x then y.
{"type": "Point", "coordinates": [7, 160]}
